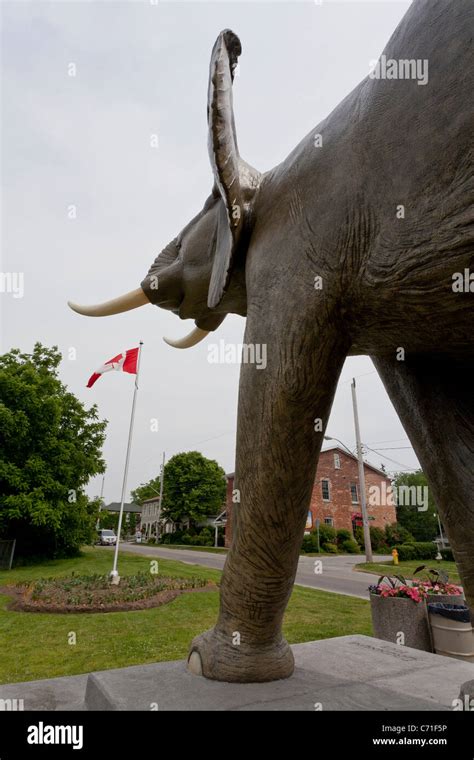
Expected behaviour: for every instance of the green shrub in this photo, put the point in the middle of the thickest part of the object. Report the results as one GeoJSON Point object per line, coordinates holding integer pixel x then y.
{"type": "Point", "coordinates": [447, 554]}
{"type": "Point", "coordinates": [343, 535]}
{"type": "Point", "coordinates": [377, 539]}
{"type": "Point", "coordinates": [330, 548]}
{"type": "Point", "coordinates": [172, 538]}
{"type": "Point", "coordinates": [416, 550]}
{"type": "Point", "coordinates": [350, 546]}
{"type": "Point", "coordinates": [204, 538]}
{"type": "Point", "coordinates": [327, 534]}
{"type": "Point", "coordinates": [310, 543]}
{"type": "Point", "coordinates": [405, 552]}
{"type": "Point", "coordinates": [359, 536]}
{"type": "Point", "coordinates": [396, 534]}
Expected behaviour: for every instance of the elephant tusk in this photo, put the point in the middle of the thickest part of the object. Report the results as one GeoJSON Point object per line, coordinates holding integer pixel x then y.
{"type": "Point", "coordinates": [194, 337]}
{"type": "Point", "coordinates": [129, 301]}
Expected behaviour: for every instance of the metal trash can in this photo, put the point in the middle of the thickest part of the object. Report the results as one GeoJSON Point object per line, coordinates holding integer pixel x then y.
{"type": "Point", "coordinates": [452, 631]}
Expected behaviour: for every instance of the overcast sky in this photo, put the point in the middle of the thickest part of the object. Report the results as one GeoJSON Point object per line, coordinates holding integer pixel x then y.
{"type": "Point", "coordinates": [84, 141]}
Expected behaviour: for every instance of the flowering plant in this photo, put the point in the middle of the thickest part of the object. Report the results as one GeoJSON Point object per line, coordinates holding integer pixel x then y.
{"type": "Point", "coordinates": [437, 582]}
{"type": "Point", "coordinates": [397, 587]}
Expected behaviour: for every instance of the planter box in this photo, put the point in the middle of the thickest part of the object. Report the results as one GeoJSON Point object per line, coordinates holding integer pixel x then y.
{"type": "Point", "coordinates": [395, 615]}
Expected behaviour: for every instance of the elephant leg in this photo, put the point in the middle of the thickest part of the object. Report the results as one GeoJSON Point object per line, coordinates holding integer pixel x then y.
{"type": "Point", "coordinates": [435, 402]}
{"type": "Point", "coordinates": [283, 410]}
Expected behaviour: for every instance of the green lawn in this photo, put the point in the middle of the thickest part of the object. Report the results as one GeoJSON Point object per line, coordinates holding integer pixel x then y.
{"type": "Point", "coordinates": [35, 645]}
{"type": "Point", "coordinates": [408, 567]}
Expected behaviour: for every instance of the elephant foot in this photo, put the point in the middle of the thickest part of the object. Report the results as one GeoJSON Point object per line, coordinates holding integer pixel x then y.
{"type": "Point", "coordinates": [214, 655]}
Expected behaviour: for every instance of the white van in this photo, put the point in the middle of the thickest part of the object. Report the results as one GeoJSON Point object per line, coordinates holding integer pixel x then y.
{"type": "Point", "coordinates": [107, 538]}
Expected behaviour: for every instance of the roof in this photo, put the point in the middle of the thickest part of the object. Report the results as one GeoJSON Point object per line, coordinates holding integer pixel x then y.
{"type": "Point", "coordinates": [153, 498]}
{"type": "Point", "coordinates": [114, 506]}
{"type": "Point", "coordinates": [335, 447]}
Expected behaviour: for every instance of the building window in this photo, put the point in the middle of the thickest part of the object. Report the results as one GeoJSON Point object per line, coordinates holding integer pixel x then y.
{"type": "Point", "coordinates": [354, 493]}
{"type": "Point", "coordinates": [329, 521]}
{"type": "Point", "coordinates": [325, 490]}
{"type": "Point", "coordinates": [337, 461]}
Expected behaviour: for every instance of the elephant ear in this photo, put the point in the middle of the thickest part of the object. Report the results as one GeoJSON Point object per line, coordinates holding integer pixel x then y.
{"type": "Point", "coordinates": [235, 181]}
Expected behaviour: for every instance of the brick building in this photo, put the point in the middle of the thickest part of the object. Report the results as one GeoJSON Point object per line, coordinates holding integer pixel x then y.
{"type": "Point", "coordinates": [336, 494]}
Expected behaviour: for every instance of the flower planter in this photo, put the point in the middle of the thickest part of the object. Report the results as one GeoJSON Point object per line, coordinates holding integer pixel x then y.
{"type": "Point", "coordinates": [393, 616]}
{"type": "Point", "coordinates": [452, 631]}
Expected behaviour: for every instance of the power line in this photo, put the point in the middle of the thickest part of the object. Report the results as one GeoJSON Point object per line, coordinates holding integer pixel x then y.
{"type": "Point", "coordinates": [394, 448]}
{"type": "Point", "coordinates": [392, 440]}
{"type": "Point", "coordinates": [400, 464]}
{"type": "Point", "coordinates": [205, 440]}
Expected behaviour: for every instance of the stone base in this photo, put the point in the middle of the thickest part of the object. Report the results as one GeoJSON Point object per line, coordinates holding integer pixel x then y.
{"type": "Point", "coordinates": [345, 673]}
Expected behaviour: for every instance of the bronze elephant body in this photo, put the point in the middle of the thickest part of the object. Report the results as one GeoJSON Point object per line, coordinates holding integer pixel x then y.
{"type": "Point", "coordinates": [349, 246]}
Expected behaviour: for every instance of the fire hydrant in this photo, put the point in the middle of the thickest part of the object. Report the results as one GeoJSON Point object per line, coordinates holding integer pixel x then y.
{"type": "Point", "coordinates": [395, 556]}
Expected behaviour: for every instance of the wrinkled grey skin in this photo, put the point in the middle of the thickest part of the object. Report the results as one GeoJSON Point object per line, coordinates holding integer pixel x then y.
{"type": "Point", "coordinates": [332, 212]}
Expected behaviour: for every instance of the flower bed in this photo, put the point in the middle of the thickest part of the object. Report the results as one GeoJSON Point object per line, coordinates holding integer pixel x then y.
{"type": "Point", "coordinates": [94, 593]}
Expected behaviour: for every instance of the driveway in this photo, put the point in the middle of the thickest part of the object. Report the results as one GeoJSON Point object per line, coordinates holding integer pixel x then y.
{"type": "Point", "coordinates": [333, 573]}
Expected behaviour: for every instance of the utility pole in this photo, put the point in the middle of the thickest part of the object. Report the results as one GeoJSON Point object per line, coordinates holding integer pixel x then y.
{"type": "Point", "coordinates": [365, 519]}
{"type": "Point", "coordinates": [162, 478]}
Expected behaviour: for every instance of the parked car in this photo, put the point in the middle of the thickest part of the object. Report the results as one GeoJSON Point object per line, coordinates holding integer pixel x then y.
{"type": "Point", "coordinates": [107, 538]}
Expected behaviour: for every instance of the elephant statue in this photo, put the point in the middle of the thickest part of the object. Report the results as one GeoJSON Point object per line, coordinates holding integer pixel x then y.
{"type": "Point", "coordinates": [360, 242]}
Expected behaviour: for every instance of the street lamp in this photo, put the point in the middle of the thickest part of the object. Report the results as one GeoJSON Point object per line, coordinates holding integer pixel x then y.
{"type": "Point", "coordinates": [331, 438]}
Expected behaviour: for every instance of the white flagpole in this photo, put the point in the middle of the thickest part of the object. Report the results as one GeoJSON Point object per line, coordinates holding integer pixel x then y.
{"type": "Point", "coordinates": [115, 578]}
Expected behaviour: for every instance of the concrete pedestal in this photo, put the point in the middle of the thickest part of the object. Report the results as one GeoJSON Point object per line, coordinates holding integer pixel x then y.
{"type": "Point", "coordinates": [346, 673]}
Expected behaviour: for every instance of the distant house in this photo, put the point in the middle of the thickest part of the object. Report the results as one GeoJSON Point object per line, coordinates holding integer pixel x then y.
{"type": "Point", "coordinates": [128, 509]}
{"type": "Point", "coordinates": [335, 499]}
{"type": "Point", "coordinates": [151, 519]}
{"type": "Point", "coordinates": [153, 523]}
{"type": "Point", "coordinates": [114, 506]}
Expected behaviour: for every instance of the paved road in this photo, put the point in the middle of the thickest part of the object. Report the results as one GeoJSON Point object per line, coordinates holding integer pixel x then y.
{"type": "Point", "coordinates": [337, 574]}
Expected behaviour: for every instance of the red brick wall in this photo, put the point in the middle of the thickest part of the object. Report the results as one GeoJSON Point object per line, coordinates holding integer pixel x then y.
{"type": "Point", "coordinates": [340, 507]}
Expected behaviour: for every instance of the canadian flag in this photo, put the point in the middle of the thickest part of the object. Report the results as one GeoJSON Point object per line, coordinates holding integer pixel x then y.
{"type": "Point", "coordinates": [126, 362]}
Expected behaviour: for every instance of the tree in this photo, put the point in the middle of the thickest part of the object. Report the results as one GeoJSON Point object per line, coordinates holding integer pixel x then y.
{"type": "Point", "coordinates": [146, 491]}
{"type": "Point", "coordinates": [194, 487]}
{"type": "Point", "coordinates": [423, 525]}
{"type": "Point", "coordinates": [49, 449]}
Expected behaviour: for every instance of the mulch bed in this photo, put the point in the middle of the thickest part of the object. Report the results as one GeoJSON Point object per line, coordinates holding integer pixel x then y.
{"type": "Point", "coordinates": [22, 602]}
